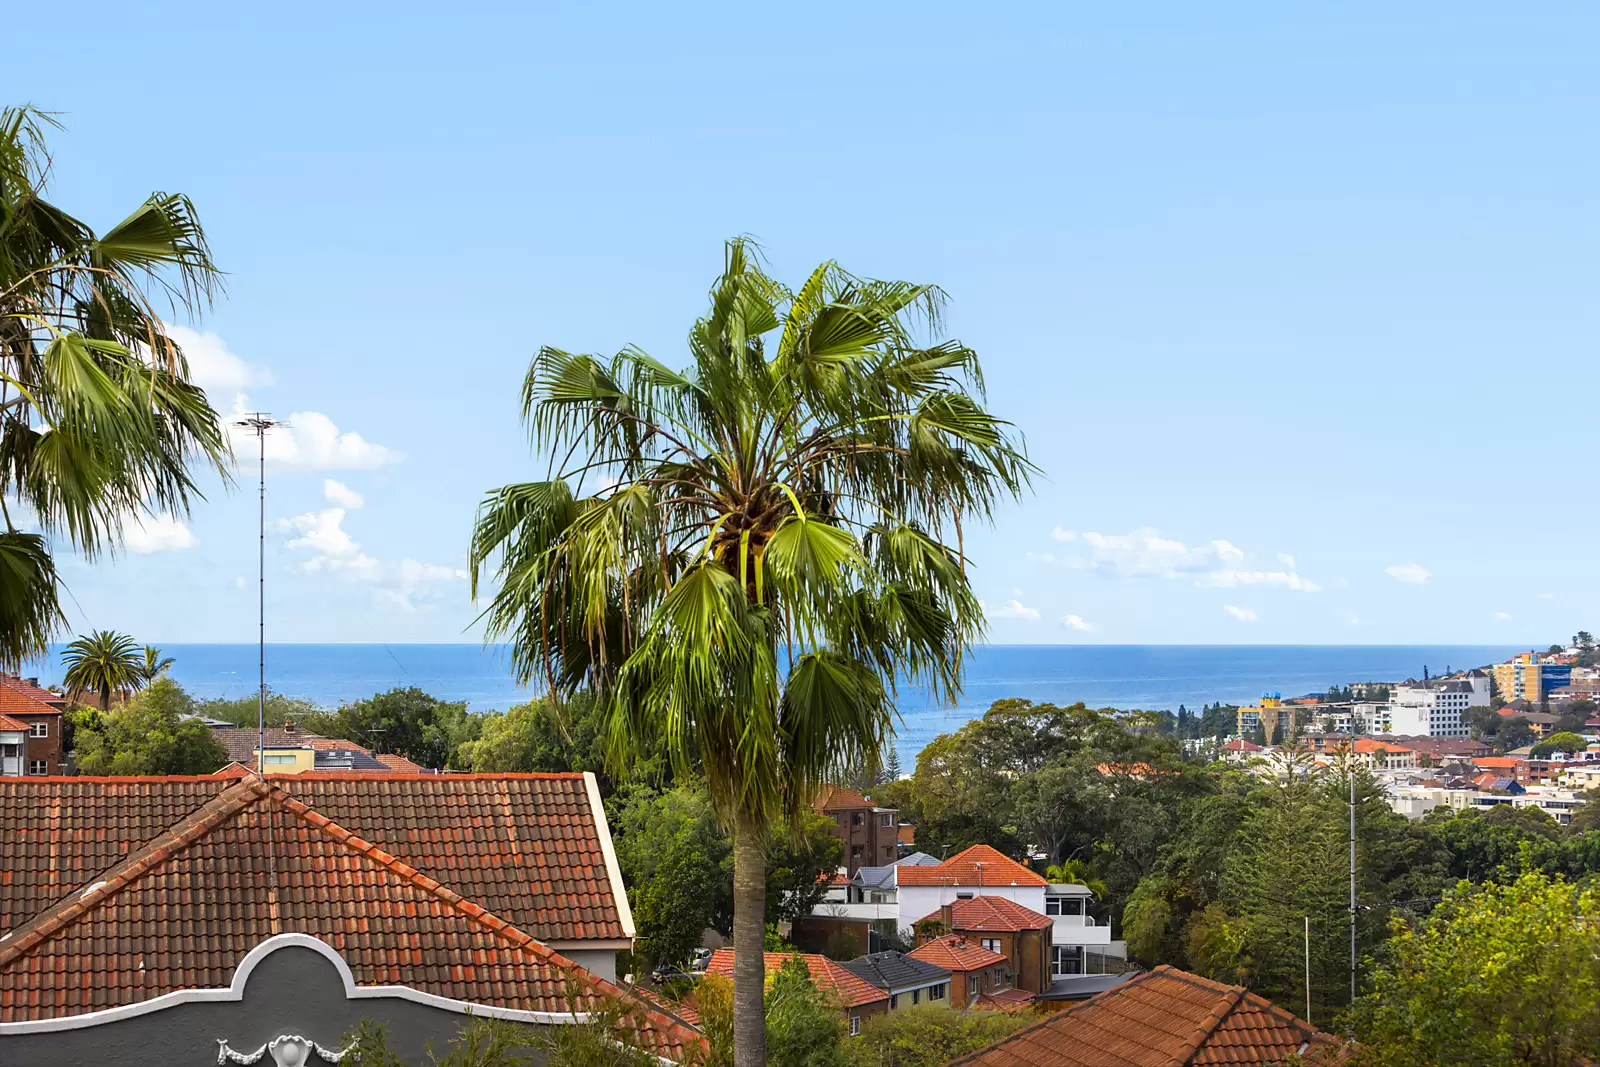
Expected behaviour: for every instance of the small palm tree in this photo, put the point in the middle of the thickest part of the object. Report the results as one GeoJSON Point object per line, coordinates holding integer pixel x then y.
{"type": "Point", "coordinates": [99, 422]}
{"type": "Point", "coordinates": [1077, 872]}
{"type": "Point", "coordinates": [155, 665]}
{"type": "Point", "coordinates": [105, 662]}
{"type": "Point", "coordinates": [769, 543]}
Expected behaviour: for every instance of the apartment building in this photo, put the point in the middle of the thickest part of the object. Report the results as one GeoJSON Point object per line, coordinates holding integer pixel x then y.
{"type": "Point", "coordinates": [871, 834]}
{"type": "Point", "coordinates": [1435, 708]}
{"type": "Point", "coordinates": [1530, 676]}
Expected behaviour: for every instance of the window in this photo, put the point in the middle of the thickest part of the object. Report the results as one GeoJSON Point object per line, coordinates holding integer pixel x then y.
{"type": "Point", "coordinates": [39, 729]}
{"type": "Point", "coordinates": [271, 759]}
{"type": "Point", "coordinates": [1066, 959]}
{"type": "Point", "coordinates": [894, 1001]}
{"type": "Point", "coordinates": [992, 944]}
{"type": "Point", "coordinates": [38, 766]}
{"type": "Point", "coordinates": [963, 896]}
{"type": "Point", "coordinates": [885, 819]}
{"type": "Point", "coordinates": [937, 992]}
{"type": "Point", "coordinates": [972, 986]}
{"type": "Point", "coordinates": [856, 852]}
{"type": "Point", "coordinates": [888, 852]}
{"type": "Point", "coordinates": [856, 819]}
{"type": "Point", "coordinates": [855, 1026]}
{"type": "Point", "coordinates": [10, 751]}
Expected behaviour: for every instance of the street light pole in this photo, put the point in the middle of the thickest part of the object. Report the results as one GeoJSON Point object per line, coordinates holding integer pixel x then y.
{"type": "Point", "coordinates": [260, 422]}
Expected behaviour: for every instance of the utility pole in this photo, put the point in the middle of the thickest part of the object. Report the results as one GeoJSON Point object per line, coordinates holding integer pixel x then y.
{"type": "Point", "coordinates": [1352, 876]}
{"type": "Point", "coordinates": [1308, 968]}
{"type": "Point", "coordinates": [260, 422]}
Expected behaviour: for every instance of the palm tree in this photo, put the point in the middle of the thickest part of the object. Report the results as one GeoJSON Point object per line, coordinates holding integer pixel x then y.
{"type": "Point", "coordinates": [744, 558]}
{"type": "Point", "coordinates": [1077, 872]}
{"type": "Point", "coordinates": [105, 662]}
{"type": "Point", "coordinates": [155, 665]}
{"type": "Point", "coordinates": [99, 422]}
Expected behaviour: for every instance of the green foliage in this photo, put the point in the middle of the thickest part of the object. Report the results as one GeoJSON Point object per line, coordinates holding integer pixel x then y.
{"type": "Point", "coordinates": [147, 736]}
{"type": "Point", "coordinates": [603, 1039]}
{"type": "Point", "coordinates": [678, 866]}
{"type": "Point", "coordinates": [796, 861]}
{"type": "Point", "coordinates": [1500, 974]}
{"type": "Point", "coordinates": [280, 709]}
{"type": "Point", "coordinates": [929, 1035]}
{"type": "Point", "coordinates": [543, 735]}
{"type": "Point", "coordinates": [103, 663]}
{"type": "Point", "coordinates": [805, 1024]}
{"type": "Point", "coordinates": [1561, 741]}
{"type": "Point", "coordinates": [101, 424]}
{"type": "Point", "coordinates": [420, 727]}
{"type": "Point", "coordinates": [1076, 872]}
{"type": "Point", "coordinates": [1515, 732]}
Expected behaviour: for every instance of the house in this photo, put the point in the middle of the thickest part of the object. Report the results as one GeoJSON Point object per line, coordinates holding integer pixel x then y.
{"type": "Point", "coordinates": [886, 901]}
{"type": "Point", "coordinates": [1163, 1018]}
{"type": "Point", "coordinates": [1383, 755]}
{"type": "Point", "coordinates": [974, 970]}
{"type": "Point", "coordinates": [532, 849]}
{"type": "Point", "coordinates": [908, 980]}
{"type": "Point", "coordinates": [858, 999]}
{"type": "Point", "coordinates": [871, 835]}
{"type": "Point", "coordinates": [291, 750]}
{"type": "Point", "coordinates": [1019, 934]}
{"type": "Point", "coordinates": [30, 728]}
{"type": "Point", "coordinates": [1239, 750]}
{"type": "Point", "coordinates": [154, 921]}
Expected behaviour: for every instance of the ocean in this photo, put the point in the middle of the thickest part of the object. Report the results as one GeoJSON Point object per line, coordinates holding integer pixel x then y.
{"type": "Point", "coordinates": [1156, 677]}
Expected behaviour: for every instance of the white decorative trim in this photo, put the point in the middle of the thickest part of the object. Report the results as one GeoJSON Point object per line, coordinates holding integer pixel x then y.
{"type": "Point", "coordinates": [241, 975]}
{"type": "Point", "coordinates": [618, 891]}
{"type": "Point", "coordinates": [226, 1054]}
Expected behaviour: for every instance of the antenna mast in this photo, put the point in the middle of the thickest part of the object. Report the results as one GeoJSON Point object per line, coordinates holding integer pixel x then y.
{"type": "Point", "coordinates": [259, 423]}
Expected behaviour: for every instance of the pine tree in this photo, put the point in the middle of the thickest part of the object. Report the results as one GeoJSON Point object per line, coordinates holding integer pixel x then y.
{"type": "Point", "coordinates": [891, 765]}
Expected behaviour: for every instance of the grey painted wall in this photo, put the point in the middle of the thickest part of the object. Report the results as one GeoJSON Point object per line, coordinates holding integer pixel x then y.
{"type": "Point", "coordinates": [600, 961]}
{"type": "Point", "coordinates": [292, 991]}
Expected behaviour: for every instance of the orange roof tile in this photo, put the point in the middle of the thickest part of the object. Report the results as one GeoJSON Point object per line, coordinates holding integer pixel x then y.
{"type": "Point", "coordinates": [12, 725]}
{"type": "Point", "coordinates": [1366, 744]}
{"type": "Point", "coordinates": [979, 865]}
{"type": "Point", "coordinates": [834, 797]}
{"type": "Point", "coordinates": [991, 915]}
{"type": "Point", "coordinates": [1006, 1000]}
{"type": "Point", "coordinates": [825, 973]}
{"type": "Point", "coordinates": [1504, 763]}
{"type": "Point", "coordinates": [19, 698]}
{"type": "Point", "coordinates": [399, 763]}
{"type": "Point", "coordinates": [524, 846]}
{"type": "Point", "coordinates": [1165, 1018]}
{"type": "Point", "coordinates": [253, 862]}
{"type": "Point", "coordinates": [955, 953]}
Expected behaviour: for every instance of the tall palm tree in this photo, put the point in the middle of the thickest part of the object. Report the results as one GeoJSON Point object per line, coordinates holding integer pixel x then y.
{"type": "Point", "coordinates": [155, 665]}
{"type": "Point", "coordinates": [745, 557]}
{"type": "Point", "coordinates": [105, 662]}
{"type": "Point", "coordinates": [99, 422]}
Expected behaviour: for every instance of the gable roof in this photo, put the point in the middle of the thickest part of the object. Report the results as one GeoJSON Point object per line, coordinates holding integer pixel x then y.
{"type": "Point", "coordinates": [979, 865]}
{"type": "Point", "coordinates": [33, 691]}
{"type": "Point", "coordinates": [825, 973]}
{"type": "Point", "coordinates": [11, 725]}
{"type": "Point", "coordinates": [990, 914]}
{"type": "Point", "coordinates": [835, 797]}
{"type": "Point", "coordinates": [254, 862]}
{"type": "Point", "coordinates": [21, 698]}
{"type": "Point", "coordinates": [895, 970]}
{"type": "Point", "coordinates": [955, 953]}
{"type": "Point", "coordinates": [1164, 1018]}
{"type": "Point", "coordinates": [531, 848]}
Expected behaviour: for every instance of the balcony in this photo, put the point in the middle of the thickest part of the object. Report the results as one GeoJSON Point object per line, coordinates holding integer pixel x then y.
{"type": "Point", "coordinates": [859, 912]}
{"type": "Point", "coordinates": [1079, 930]}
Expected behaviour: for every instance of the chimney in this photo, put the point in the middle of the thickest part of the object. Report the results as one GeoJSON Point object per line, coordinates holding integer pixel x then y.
{"type": "Point", "coordinates": [288, 726]}
{"type": "Point", "coordinates": [947, 917]}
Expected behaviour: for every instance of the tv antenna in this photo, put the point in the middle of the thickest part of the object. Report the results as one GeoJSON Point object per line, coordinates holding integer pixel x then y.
{"type": "Point", "coordinates": [259, 422]}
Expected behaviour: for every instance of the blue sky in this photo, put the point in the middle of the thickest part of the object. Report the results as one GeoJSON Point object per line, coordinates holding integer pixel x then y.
{"type": "Point", "coordinates": [1294, 305]}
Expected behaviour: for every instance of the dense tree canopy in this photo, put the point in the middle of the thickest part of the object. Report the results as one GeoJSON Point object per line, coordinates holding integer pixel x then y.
{"type": "Point", "coordinates": [148, 735]}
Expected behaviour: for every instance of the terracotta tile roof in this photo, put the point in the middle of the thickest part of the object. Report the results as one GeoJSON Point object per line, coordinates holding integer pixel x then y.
{"type": "Point", "coordinates": [400, 764]}
{"type": "Point", "coordinates": [824, 972]}
{"type": "Point", "coordinates": [1239, 744]}
{"type": "Point", "coordinates": [833, 797]}
{"type": "Point", "coordinates": [681, 1010]}
{"type": "Point", "coordinates": [1366, 744]}
{"type": "Point", "coordinates": [1006, 1000]}
{"type": "Point", "coordinates": [254, 862]}
{"type": "Point", "coordinates": [955, 953]}
{"type": "Point", "coordinates": [241, 741]}
{"type": "Point", "coordinates": [991, 914]}
{"type": "Point", "coordinates": [963, 869]}
{"type": "Point", "coordinates": [10, 724]}
{"type": "Point", "coordinates": [19, 698]}
{"type": "Point", "coordinates": [1166, 1018]}
{"type": "Point", "coordinates": [523, 846]}
{"type": "Point", "coordinates": [1489, 763]}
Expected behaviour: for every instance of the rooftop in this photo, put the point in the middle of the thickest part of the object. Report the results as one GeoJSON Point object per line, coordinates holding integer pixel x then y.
{"type": "Point", "coordinates": [979, 865]}
{"type": "Point", "coordinates": [895, 970]}
{"type": "Point", "coordinates": [1164, 1018]}
{"type": "Point", "coordinates": [825, 973]}
{"type": "Point", "coordinates": [834, 798]}
{"type": "Point", "coordinates": [991, 915]}
{"type": "Point", "coordinates": [955, 953]}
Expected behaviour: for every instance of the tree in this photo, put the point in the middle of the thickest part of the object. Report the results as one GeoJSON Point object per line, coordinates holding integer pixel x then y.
{"type": "Point", "coordinates": [103, 663]}
{"type": "Point", "coordinates": [1515, 731]}
{"type": "Point", "coordinates": [280, 710]}
{"type": "Point", "coordinates": [678, 866]}
{"type": "Point", "coordinates": [929, 1035]}
{"type": "Point", "coordinates": [417, 725]}
{"type": "Point", "coordinates": [100, 423]}
{"type": "Point", "coordinates": [1076, 872]}
{"type": "Point", "coordinates": [155, 665]}
{"type": "Point", "coordinates": [148, 735]}
{"type": "Point", "coordinates": [538, 736]}
{"type": "Point", "coordinates": [1561, 741]}
{"type": "Point", "coordinates": [1482, 723]}
{"type": "Point", "coordinates": [1584, 640]}
{"type": "Point", "coordinates": [891, 765]}
{"type": "Point", "coordinates": [1498, 975]}
{"type": "Point", "coordinates": [759, 558]}
{"type": "Point", "coordinates": [797, 864]}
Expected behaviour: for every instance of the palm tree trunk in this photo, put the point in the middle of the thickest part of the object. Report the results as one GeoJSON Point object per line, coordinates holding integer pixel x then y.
{"type": "Point", "coordinates": [749, 943]}
{"type": "Point", "coordinates": [105, 696]}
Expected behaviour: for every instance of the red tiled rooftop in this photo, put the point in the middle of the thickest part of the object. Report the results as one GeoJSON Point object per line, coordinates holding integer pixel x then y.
{"type": "Point", "coordinates": [19, 698]}
{"type": "Point", "coordinates": [834, 797]}
{"type": "Point", "coordinates": [399, 764]}
{"type": "Point", "coordinates": [825, 973]}
{"type": "Point", "coordinates": [524, 846]}
{"type": "Point", "coordinates": [991, 915]}
{"type": "Point", "coordinates": [28, 689]}
{"type": "Point", "coordinates": [1165, 1018]}
{"type": "Point", "coordinates": [955, 953]}
{"type": "Point", "coordinates": [11, 725]}
{"type": "Point", "coordinates": [253, 862]}
{"type": "Point", "coordinates": [979, 865]}
{"type": "Point", "coordinates": [1006, 1000]}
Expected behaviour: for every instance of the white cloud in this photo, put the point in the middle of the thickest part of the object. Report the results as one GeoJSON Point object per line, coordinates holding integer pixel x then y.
{"type": "Point", "coordinates": [413, 580]}
{"type": "Point", "coordinates": [1227, 551]}
{"type": "Point", "coordinates": [1242, 614]}
{"type": "Point", "coordinates": [320, 530]}
{"type": "Point", "coordinates": [1410, 573]}
{"type": "Point", "coordinates": [211, 365]}
{"type": "Point", "coordinates": [239, 581]}
{"type": "Point", "coordinates": [358, 565]}
{"type": "Point", "coordinates": [1502, 616]}
{"type": "Point", "coordinates": [1547, 596]}
{"type": "Point", "coordinates": [1018, 593]}
{"type": "Point", "coordinates": [1012, 609]}
{"type": "Point", "coordinates": [1226, 579]}
{"type": "Point", "coordinates": [341, 494]}
{"type": "Point", "coordinates": [146, 534]}
{"type": "Point", "coordinates": [1286, 559]}
{"type": "Point", "coordinates": [1076, 622]}
{"type": "Point", "coordinates": [1039, 557]}
{"type": "Point", "coordinates": [1062, 534]}
{"type": "Point", "coordinates": [310, 441]}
